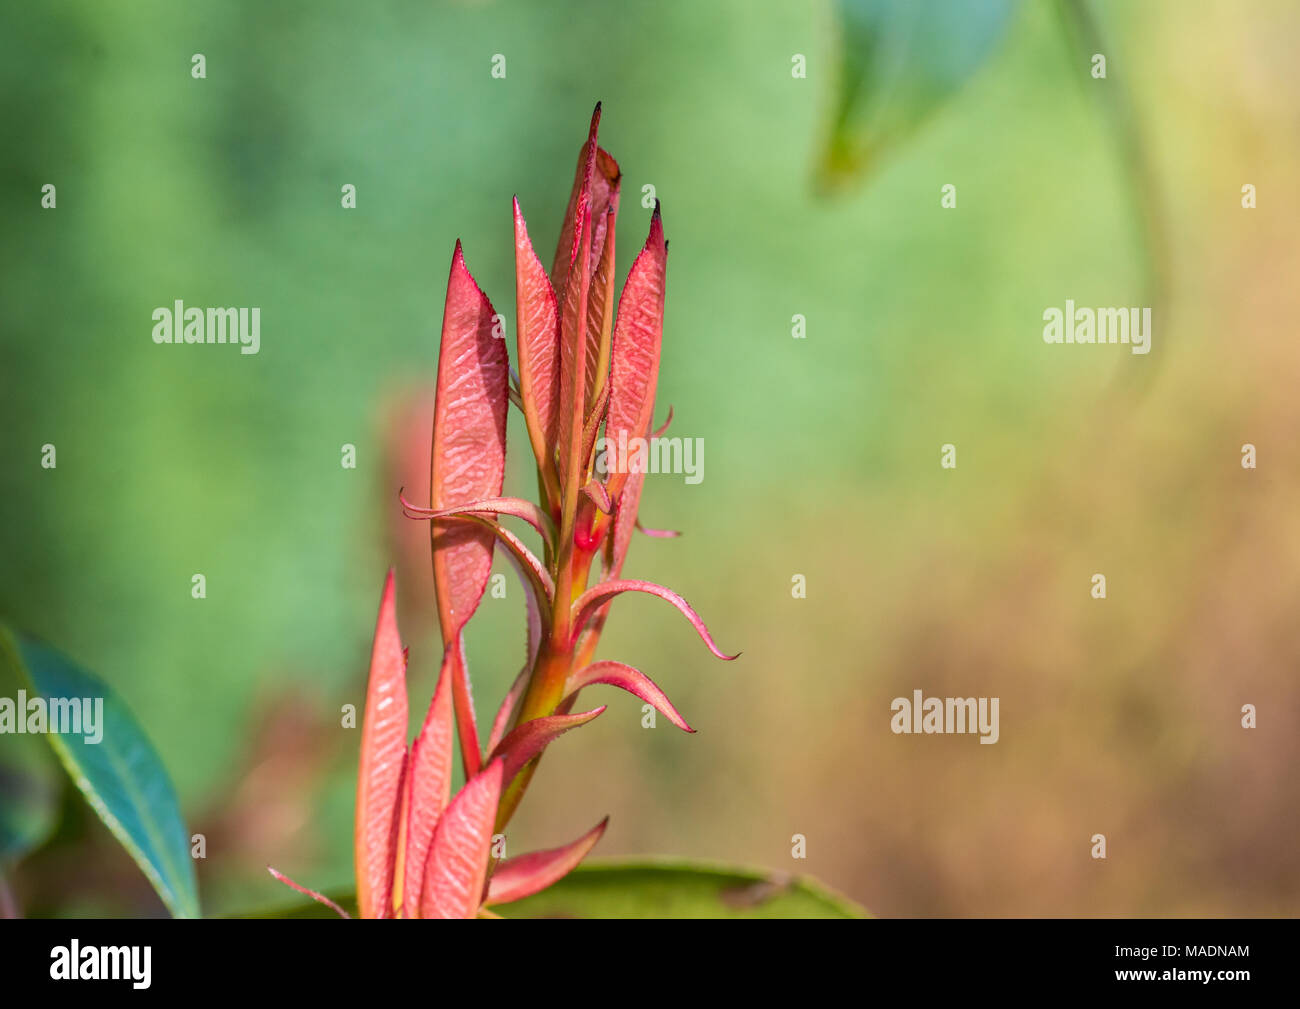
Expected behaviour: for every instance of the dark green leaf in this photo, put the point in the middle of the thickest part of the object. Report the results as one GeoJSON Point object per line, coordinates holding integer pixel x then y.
{"type": "Point", "coordinates": [121, 775]}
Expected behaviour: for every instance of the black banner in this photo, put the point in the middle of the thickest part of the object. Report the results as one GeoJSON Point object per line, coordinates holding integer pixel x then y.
{"type": "Point", "coordinates": [267, 957]}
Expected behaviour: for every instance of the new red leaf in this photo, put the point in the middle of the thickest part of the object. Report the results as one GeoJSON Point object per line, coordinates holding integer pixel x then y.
{"type": "Point", "coordinates": [529, 739]}
{"type": "Point", "coordinates": [618, 674]}
{"type": "Point", "coordinates": [383, 755]}
{"type": "Point", "coordinates": [469, 444]}
{"type": "Point", "coordinates": [517, 878]}
{"type": "Point", "coordinates": [429, 780]}
{"type": "Point", "coordinates": [573, 353]}
{"type": "Point", "coordinates": [538, 341]}
{"type": "Point", "coordinates": [591, 600]}
{"type": "Point", "coordinates": [638, 335]}
{"type": "Point", "coordinates": [513, 506]}
{"type": "Point", "coordinates": [468, 464]}
{"type": "Point", "coordinates": [600, 304]}
{"type": "Point", "coordinates": [457, 866]}
{"type": "Point", "coordinates": [599, 176]}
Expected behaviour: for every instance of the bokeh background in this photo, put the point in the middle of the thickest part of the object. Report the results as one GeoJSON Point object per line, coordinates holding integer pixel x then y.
{"type": "Point", "coordinates": [924, 327]}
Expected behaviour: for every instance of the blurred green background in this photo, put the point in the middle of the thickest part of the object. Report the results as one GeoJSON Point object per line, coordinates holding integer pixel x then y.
{"type": "Point", "coordinates": [924, 327]}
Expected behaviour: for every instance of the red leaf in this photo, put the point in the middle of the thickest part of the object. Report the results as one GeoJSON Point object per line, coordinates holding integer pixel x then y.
{"type": "Point", "coordinates": [383, 756]}
{"type": "Point", "coordinates": [629, 502]}
{"type": "Point", "coordinates": [531, 738]}
{"type": "Point", "coordinates": [595, 417]}
{"type": "Point", "coordinates": [532, 643]}
{"type": "Point", "coordinates": [469, 440]}
{"type": "Point", "coordinates": [539, 579]}
{"type": "Point", "coordinates": [538, 342]}
{"type": "Point", "coordinates": [595, 490]}
{"type": "Point", "coordinates": [573, 352]}
{"type": "Point", "coordinates": [457, 865]}
{"type": "Point", "coordinates": [468, 463]}
{"type": "Point", "coordinates": [517, 878]}
{"type": "Point", "coordinates": [600, 303]}
{"type": "Point", "coordinates": [617, 674]}
{"type": "Point", "coordinates": [320, 897]}
{"type": "Point", "coordinates": [430, 786]}
{"type": "Point", "coordinates": [513, 506]}
{"type": "Point", "coordinates": [462, 696]}
{"type": "Point", "coordinates": [599, 176]}
{"type": "Point", "coordinates": [591, 600]}
{"type": "Point", "coordinates": [638, 335]}
{"type": "Point", "coordinates": [508, 706]}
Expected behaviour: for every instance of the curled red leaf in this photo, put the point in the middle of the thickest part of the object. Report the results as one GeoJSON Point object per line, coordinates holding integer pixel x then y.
{"type": "Point", "coordinates": [618, 674]}
{"type": "Point", "coordinates": [517, 878]}
{"type": "Point", "coordinates": [529, 739]}
{"type": "Point", "coordinates": [594, 597]}
{"type": "Point", "coordinates": [516, 507]}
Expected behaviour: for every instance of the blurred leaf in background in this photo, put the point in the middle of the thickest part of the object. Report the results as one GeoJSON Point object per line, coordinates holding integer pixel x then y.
{"type": "Point", "coordinates": [681, 889]}
{"type": "Point", "coordinates": [899, 61]}
{"type": "Point", "coordinates": [30, 784]}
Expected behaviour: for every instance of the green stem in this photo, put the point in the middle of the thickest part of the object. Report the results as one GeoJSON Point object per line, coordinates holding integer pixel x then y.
{"type": "Point", "coordinates": [1082, 27]}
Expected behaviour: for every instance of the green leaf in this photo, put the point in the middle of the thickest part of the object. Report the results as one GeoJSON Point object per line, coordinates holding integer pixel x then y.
{"type": "Point", "coordinates": [652, 888]}
{"type": "Point", "coordinates": [121, 775]}
{"type": "Point", "coordinates": [899, 61]}
{"type": "Point", "coordinates": [670, 888]}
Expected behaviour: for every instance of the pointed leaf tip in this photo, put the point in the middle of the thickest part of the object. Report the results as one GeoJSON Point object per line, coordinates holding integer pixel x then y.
{"type": "Point", "coordinates": [529, 739]}
{"type": "Point", "coordinates": [469, 433]}
{"type": "Point", "coordinates": [526, 875]}
{"type": "Point", "coordinates": [637, 343]}
{"type": "Point", "coordinates": [625, 677]}
{"type": "Point", "coordinates": [591, 600]}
